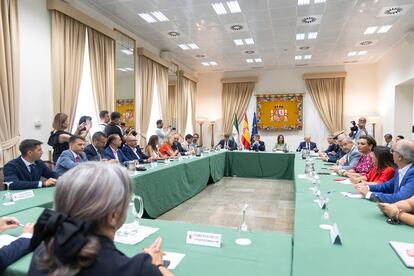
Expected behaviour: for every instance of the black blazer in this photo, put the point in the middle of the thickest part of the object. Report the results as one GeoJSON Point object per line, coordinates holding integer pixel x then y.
{"type": "Point", "coordinates": [259, 147]}
{"type": "Point", "coordinates": [109, 262]}
{"type": "Point", "coordinates": [112, 128]}
{"type": "Point", "coordinates": [179, 147]}
{"type": "Point", "coordinates": [231, 143]}
{"type": "Point", "coordinates": [312, 146]}
{"type": "Point", "coordinates": [92, 154]}
{"type": "Point", "coordinates": [17, 172]}
{"type": "Point", "coordinates": [130, 155]}
{"type": "Point", "coordinates": [14, 251]}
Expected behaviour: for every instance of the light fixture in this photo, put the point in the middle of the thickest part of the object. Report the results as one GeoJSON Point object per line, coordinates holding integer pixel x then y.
{"type": "Point", "coordinates": [219, 8]}
{"type": "Point", "coordinates": [300, 36]}
{"type": "Point", "coordinates": [319, 1]}
{"type": "Point", "coordinates": [351, 54]}
{"type": "Point", "coordinates": [258, 60]}
{"type": "Point", "coordinates": [362, 53]}
{"type": "Point", "coordinates": [129, 69]}
{"type": "Point", "coordinates": [312, 35]}
{"type": "Point", "coordinates": [127, 51]}
{"type": "Point", "coordinates": [193, 46]}
{"type": "Point", "coordinates": [147, 17]}
{"type": "Point", "coordinates": [238, 42]}
{"type": "Point", "coordinates": [213, 63]}
{"type": "Point", "coordinates": [183, 46]}
{"type": "Point", "coordinates": [233, 6]}
{"type": "Point", "coordinates": [189, 46]}
{"type": "Point", "coordinates": [298, 57]}
{"type": "Point", "coordinates": [249, 41]}
{"type": "Point", "coordinates": [384, 29]}
{"type": "Point", "coordinates": [371, 30]}
{"type": "Point", "coordinates": [303, 2]}
{"type": "Point", "coordinates": [307, 56]}
{"type": "Point", "coordinates": [121, 69]}
{"type": "Point", "coordinates": [160, 16]}
{"type": "Point", "coordinates": [205, 63]}
{"type": "Point", "coordinates": [249, 60]}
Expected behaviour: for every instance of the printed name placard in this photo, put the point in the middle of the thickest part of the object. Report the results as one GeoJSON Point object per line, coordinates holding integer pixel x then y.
{"type": "Point", "coordinates": [23, 195]}
{"type": "Point", "coordinates": [335, 235]}
{"type": "Point", "coordinates": [204, 239]}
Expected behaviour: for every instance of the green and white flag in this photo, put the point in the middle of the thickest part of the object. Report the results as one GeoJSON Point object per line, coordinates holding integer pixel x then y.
{"type": "Point", "coordinates": [236, 132]}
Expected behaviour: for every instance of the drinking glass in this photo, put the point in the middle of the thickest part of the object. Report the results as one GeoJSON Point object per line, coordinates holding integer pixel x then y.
{"type": "Point", "coordinates": [8, 197]}
{"type": "Point", "coordinates": [243, 229]}
{"type": "Point", "coordinates": [131, 225]}
{"type": "Point", "coordinates": [326, 220]}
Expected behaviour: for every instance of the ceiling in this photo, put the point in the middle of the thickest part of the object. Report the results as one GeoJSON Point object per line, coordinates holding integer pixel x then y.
{"type": "Point", "coordinates": [273, 25]}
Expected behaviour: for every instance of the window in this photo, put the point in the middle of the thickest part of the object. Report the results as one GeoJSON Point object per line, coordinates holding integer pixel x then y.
{"type": "Point", "coordinates": [86, 104]}
{"type": "Point", "coordinates": [155, 113]}
{"type": "Point", "coordinates": [189, 125]}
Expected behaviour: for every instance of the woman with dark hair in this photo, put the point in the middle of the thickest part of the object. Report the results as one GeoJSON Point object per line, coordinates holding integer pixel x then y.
{"type": "Point", "coordinates": [77, 238]}
{"type": "Point", "coordinates": [280, 144]}
{"type": "Point", "coordinates": [151, 149]}
{"type": "Point", "coordinates": [366, 144]}
{"type": "Point", "coordinates": [383, 170]}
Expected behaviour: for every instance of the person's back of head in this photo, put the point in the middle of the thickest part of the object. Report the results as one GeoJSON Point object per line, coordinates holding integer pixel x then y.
{"type": "Point", "coordinates": [115, 116]}
{"type": "Point", "coordinates": [86, 205]}
{"type": "Point", "coordinates": [59, 120]}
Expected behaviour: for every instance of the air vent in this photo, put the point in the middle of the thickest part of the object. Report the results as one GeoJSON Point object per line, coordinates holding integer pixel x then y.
{"type": "Point", "coordinates": [303, 48]}
{"type": "Point", "coordinates": [236, 27]}
{"type": "Point", "coordinates": [302, 64]}
{"type": "Point", "coordinates": [258, 67]}
{"type": "Point", "coordinates": [249, 52]}
{"type": "Point", "coordinates": [200, 56]}
{"type": "Point", "coordinates": [173, 34]}
{"type": "Point", "coordinates": [309, 20]}
{"type": "Point", "coordinates": [394, 11]}
{"type": "Point", "coordinates": [365, 43]}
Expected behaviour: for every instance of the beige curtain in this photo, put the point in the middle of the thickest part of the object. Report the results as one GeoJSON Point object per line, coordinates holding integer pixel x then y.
{"type": "Point", "coordinates": [235, 99]}
{"type": "Point", "coordinates": [101, 57]}
{"type": "Point", "coordinates": [9, 79]}
{"type": "Point", "coordinates": [183, 93]}
{"type": "Point", "coordinates": [327, 95]}
{"type": "Point", "coordinates": [147, 75]}
{"type": "Point", "coordinates": [162, 85]}
{"type": "Point", "coordinates": [68, 45]}
{"type": "Point", "coordinates": [193, 96]}
{"type": "Point", "coordinates": [172, 106]}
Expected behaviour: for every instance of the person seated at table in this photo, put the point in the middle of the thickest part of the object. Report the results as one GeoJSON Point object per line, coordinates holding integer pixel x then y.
{"type": "Point", "coordinates": [166, 149]}
{"type": "Point", "coordinates": [227, 143]}
{"type": "Point", "coordinates": [307, 144]}
{"type": "Point", "coordinates": [176, 146]}
{"type": "Point", "coordinates": [350, 159]}
{"type": "Point", "coordinates": [132, 151]}
{"type": "Point", "coordinates": [112, 150]}
{"type": "Point", "coordinates": [196, 136]}
{"type": "Point", "coordinates": [383, 170]}
{"type": "Point", "coordinates": [151, 149]}
{"type": "Point", "coordinates": [280, 144]}
{"type": "Point", "coordinates": [401, 186]}
{"type": "Point", "coordinates": [398, 138]}
{"type": "Point", "coordinates": [73, 156]}
{"type": "Point", "coordinates": [334, 156]}
{"type": "Point", "coordinates": [18, 248]}
{"type": "Point", "coordinates": [365, 146]}
{"type": "Point", "coordinates": [257, 145]}
{"type": "Point", "coordinates": [77, 238]}
{"type": "Point", "coordinates": [188, 140]}
{"type": "Point", "coordinates": [94, 151]}
{"type": "Point", "coordinates": [399, 212]}
{"type": "Point", "coordinates": [332, 146]}
{"type": "Point", "coordinates": [27, 170]}
{"type": "Point", "coordinates": [388, 140]}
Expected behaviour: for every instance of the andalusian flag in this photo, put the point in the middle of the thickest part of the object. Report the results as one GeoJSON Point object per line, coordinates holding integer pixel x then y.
{"type": "Point", "coordinates": [236, 132]}
{"type": "Point", "coordinates": [246, 133]}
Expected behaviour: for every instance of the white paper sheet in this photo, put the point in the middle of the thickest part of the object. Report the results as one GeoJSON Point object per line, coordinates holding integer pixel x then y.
{"type": "Point", "coordinates": [174, 258]}
{"type": "Point", "coordinates": [352, 195]}
{"type": "Point", "coordinates": [6, 240]}
{"type": "Point", "coordinates": [346, 182]}
{"type": "Point", "coordinates": [135, 234]}
{"type": "Point", "coordinates": [302, 176]}
{"type": "Point", "coordinates": [401, 249]}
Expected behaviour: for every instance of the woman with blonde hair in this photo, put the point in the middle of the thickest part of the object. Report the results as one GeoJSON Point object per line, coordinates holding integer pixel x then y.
{"type": "Point", "coordinates": [78, 237]}
{"type": "Point", "coordinates": [166, 149]}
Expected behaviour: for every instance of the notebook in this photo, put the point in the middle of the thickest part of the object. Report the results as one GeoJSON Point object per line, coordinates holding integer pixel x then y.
{"type": "Point", "coordinates": [401, 249]}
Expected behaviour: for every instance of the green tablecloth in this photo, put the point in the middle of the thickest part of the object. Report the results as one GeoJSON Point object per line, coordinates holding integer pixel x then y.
{"type": "Point", "coordinates": [269, 253]}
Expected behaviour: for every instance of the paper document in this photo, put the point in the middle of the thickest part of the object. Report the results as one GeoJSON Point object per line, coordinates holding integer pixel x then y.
{"type": "Point", "coordinates": [6, 240]}
{"type": "Point", "coordinates": [174, 258]}
{"type": "Point", "coordinates": [401, 249]}
{"type": "Point", "coordinates": [302, 176]}
{"type": "Point", "coordinates": [352, 195]}
{"type": "Point", "coordinates": [131, 234]}
{"type": "Point", "coordinates": [346, 181]}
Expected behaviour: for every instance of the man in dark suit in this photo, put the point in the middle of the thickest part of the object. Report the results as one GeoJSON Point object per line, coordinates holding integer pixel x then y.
{"type": "Point", "coordinates": [227, 143]}
{"type": "Point", "coordinates": [18, 248]}
{"type": "Point", "coordinates": [257, 145]}
{"type": "Point", "coordinates": [132, 151]}
{"type": "Point", "coordinates": [176, 146]}
{"type": "Point", "coordinates": [73, 156]}
{"type": "Point", "coordinates": [114, 127]}
{"type": "Point", "coordinates": [26, 170]}
{"type": "Point", "coordinates": [94, 151]}
{"type": "Point", "coordinates": [307, 144]}
{"type": "Point", "coordinates": [401, 186]}
{"type": "Point", "coordinates": [112, 151]}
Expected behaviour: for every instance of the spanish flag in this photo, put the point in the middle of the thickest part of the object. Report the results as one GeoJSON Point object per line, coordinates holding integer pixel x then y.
{"type": "Point", "coordinates": [246, 133]}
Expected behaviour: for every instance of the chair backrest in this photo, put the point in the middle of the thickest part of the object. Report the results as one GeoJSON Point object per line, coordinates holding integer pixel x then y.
{"type": "Point", "coordinates": [1, 179]}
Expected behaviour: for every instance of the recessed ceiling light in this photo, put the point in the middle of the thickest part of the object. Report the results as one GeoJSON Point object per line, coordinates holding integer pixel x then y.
{"type": "Point", "coordinates": [362, 53]}
{"type": "Point", "coordinates": [384, 29]}
{"type": "Point", "coordinates": [351, 54]}
{"type": "Point", "coordinates": [129, 69]}
{"type": "Point", "coordinates": [205, 63]}
{"type": "Point", "coordinates": [371, 30]}
{"type": "Point", "coordinates": [298, 57]}
{"type": "Point", "coordinates": [308, 56]}
{"type": "Point", "coordinates": [300, 36]}
{"type": "Point", "coordinates": [193, 46]}
{"type": "Point", "coordinates": [160, 16]}
{"type": "Point", "coordinates": [238, 42]}
{"type": "Point", "coordinates": [249, 60]}
{"type": "Point", "coordinates": [249, 41]}
{"type": "Point", "coordinates": [258, 60]}
{"type": "Point", "coordinates": [319, 1]}
{"type": "Point", "coordinates": [183, 46]}
{"type": "Point", "coordinates": [233, 6]}
{"type": "Point", "coordinates": [127, 51]}
{"type": "Point", "coordinates": [213, 63]}
{"type": "Point", "coordinates": [303, 2]}
{"type": "Point", "coordinates": [173, 33]}
{"type": "Point", "coordinates": [312, 35]}
{"type": "Point", "coordinates": [147, 17]}
{"type": "Point", "coordinates": [121, 69]}
{"type": "Point", "coordinates": [219, 8]}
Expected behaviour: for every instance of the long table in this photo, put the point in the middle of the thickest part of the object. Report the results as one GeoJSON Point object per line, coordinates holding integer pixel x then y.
{"type": "Point", "coordinates": [269, 253]}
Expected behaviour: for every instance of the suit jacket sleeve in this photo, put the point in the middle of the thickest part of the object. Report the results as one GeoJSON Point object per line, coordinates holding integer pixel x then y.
{"type": "Point", "coordinates": [262, 146]}
{"type": "Point", "coordinates": [67, 161]}
{"type": "Point", "coordinates": [14, 251]}
{"type": "Point", "coordinates": [406, 191]}
{"type": "Point", "coordinates": [11, 175]}
{"type": "Point", "coordinates": [48, 173]}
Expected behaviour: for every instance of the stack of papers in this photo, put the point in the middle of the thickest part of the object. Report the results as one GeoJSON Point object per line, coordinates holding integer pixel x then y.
{"type": "Point", "coordinates": [173, 258]}
{"type": "Point", "coordinates": [131, 234]}
{"type": "Point", "coordinates": [6, 240]}
{"type": "Point", "coordinates": [352, 195]}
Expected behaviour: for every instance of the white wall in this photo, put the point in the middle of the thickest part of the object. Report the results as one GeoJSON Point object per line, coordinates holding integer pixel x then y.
{"type": "Point", "coordinates": [403, 115]}
{"type": "Point", "coordinates": [360, 89]}
{"type": "Point", "coordinates": [35, 71]}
